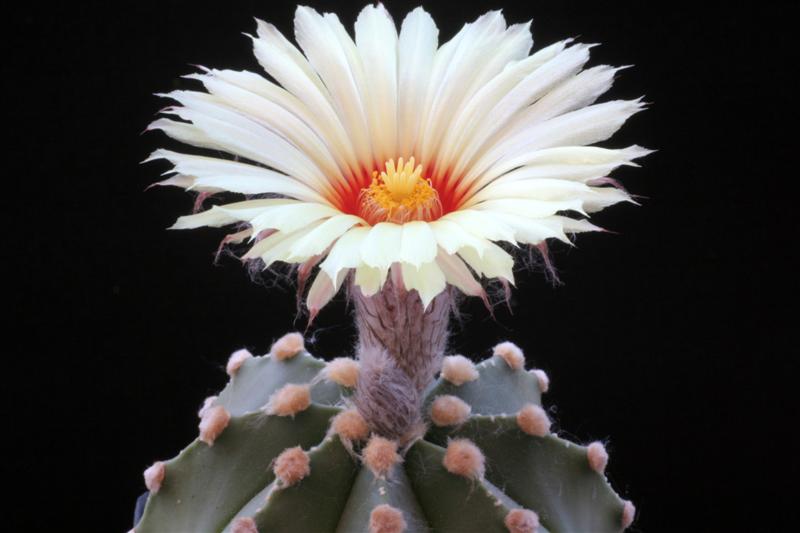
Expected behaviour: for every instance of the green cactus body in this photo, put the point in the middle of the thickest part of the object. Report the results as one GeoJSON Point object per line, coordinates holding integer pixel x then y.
{"type": "Point", "coordinates": [228, 482]}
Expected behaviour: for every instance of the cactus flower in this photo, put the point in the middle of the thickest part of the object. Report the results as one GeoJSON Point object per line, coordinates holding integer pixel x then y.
{"type": "Point", "coordinates": [390, 150]}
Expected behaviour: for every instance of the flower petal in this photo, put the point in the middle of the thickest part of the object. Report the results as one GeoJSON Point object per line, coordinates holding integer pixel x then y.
{"type": "Point", "coordinates": [381, 247]}
{"type": "Point", "coordinates": [376, 39]}
{"type": "Point", "coordinates": [416, 48]}
{"type": "Point", "coordinates": [427, 279]}
{"type": "Point", "coordinates": [318, 239]}
{"type": "Point", "coordinates": [417, 244]}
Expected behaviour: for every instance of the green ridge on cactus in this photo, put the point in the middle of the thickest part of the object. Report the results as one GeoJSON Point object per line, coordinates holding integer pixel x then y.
{"type": "Point", "coordinates": [206, 487]}
{"type": "Point", "coordinates": [498, 390]}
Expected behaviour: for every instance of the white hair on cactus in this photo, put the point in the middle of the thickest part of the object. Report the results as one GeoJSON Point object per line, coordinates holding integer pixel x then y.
{"type": "Point", "coordinates": [458, 370]}
{"type": "Point", "coordinates": [236, 361]}
{"type": "Point", "coordinates": [213, 423]}
{"type": "Point", "coordinates": [628, 514]}
{"type": "Point", "coordinates": [597, 456]}
{"type": "Point", "coordinates": [380, 455]}
{"type": "Point", "coordinates": [154, 476]}
{"type": "Point", "coordinates": [448, 410]}
{"type": "Point", "coordinates": [287, 346]}
{"type": "Point", "coordinates": [342, 371]}
{"type": "Point", "coordinates": [289, 400]}
{"type": "Point", "coordinates": [542, 378]}
{"type": "Point", "coordinates": [244, 524]}
{"type": "Point", "coordinates": [465, 459]}
{"type": "Point", "coordinates": [386, 519]}
{"type": "Point", "coordinates": [521, 521]}
{"type": "Point", "coordinates": [292, 465]}
{"type": "Point", "coordinates": [511, 354]}
{"type": "Point", "coordinates": [207, 404]}
{"type": "Point", "coordinates": [533, 420]}
{"type": "Point", "coordinates": [350, 425]}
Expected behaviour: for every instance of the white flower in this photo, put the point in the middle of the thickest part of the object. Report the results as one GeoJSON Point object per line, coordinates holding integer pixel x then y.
{"type": "Point", "coordinates": [391, 151]}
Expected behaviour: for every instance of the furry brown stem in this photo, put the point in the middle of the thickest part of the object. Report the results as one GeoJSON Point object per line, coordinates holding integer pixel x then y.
{"type": "Point", "coordinates": [401, 345]}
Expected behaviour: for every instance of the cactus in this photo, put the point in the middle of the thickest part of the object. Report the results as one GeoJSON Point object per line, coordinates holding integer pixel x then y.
{"type": "Point", "coordinates": [409, 173]}
{"type": "Point", "coordinates": [282, 449]}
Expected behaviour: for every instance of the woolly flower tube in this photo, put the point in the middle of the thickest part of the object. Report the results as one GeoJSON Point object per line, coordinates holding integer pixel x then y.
{"type": "Point", "coordinates": [390, 150]}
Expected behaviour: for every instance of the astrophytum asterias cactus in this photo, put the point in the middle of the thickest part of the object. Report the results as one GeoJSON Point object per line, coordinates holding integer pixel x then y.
{"type": "Point", "coordinates": [282, 449]}
{"type": "Point", "coordinates": [408, 173]}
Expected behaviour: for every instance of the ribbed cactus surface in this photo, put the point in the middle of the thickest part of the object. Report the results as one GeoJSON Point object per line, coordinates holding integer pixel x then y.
{"type": "Point", "coordinates": [281, 449]}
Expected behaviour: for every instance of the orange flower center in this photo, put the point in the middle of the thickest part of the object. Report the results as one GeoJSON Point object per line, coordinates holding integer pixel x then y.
{"type": "Point", "coordinates": [399, 194]}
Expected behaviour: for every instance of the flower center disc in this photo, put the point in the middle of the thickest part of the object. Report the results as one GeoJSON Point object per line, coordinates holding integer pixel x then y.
{"type": "Point", "coordinates": [399, 194]}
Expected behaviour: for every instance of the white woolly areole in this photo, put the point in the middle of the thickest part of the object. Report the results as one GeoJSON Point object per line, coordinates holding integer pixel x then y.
{"type": "Point", "coordinates": [521, 521]}
{"type": "Point", "coordinates": [463, 458]}
{"type": "Point", "coordinates": [598, 456]}
{"type": "Point", "coordinates": [533, 420]}
{"type": "Point", "coordinates": [458, 370]}
{"type": "Point", "coordinates": [448, 410]}
{"type": "Point", "coordinates": [207, 404]}
{"type": "Point", "coordinates": [628, 514]}
{"type": "Point", "coordinates": [292, 465]}
{"type": "Point", "coordinates": [342, 371]}
{"type": "Point", "coordinates": [350, 425]}
{"type": "Point", "coordinates": [154, 476]}
{"type": "Point", "coordinates": [289, 400]}
{"type": "Point", "coordinates": [511, 354]}
{"type": "Point", "coordinates": [542, 378]}
{"type": "Point", "coordinates": [287, 346]}
{"type": "Point", "coordinates": [386, 519]}
{"type": "Point", "coordinates": [214, 421]}
{"type": "Point", "coordinates": [236, 361]}
{"type": "Point", "coordinates": [380, 455]}
{"type": "Point", "coordinates": [244, 524]}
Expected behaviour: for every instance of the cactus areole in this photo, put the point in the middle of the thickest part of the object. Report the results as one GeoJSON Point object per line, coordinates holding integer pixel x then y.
{"type": "Point", "coordinates": [409, 172]}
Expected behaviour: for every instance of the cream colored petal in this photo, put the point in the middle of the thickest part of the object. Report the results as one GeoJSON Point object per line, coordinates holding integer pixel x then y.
{"type": "Point", "coordinates": [221, 174]}
{"type": "Point", "coordinates": [585, 126]}
{"type": "Point", "coordinates": [530, 208]}
{"type": "Point", "coordinates": [284, 62]}
{"type": "Point", "coordinates": [243, 136]}
{"type": "Point", "coordinates": [345, 253]}
{"type": "Point", "coordinates": [416, 47]}
{"type": "Point", "coordinates": [185, 133]}
{"type": "Point", "coordinates": [458, 275]}
{"type": "Point", "coordinates": [291, 217]}
{"type": "Point", "coordinates": [381, 247]}
{"type": "Point", "coordinates": [321, 237]}
{"type": "Point", "coordinates": [226, 214]}
{"type": "Point", "coordinates": [452, 237]}
{"type": "Point", "coordinates": [503, 103]}
{"type": "Point", "coordinates": [574, 93]}
{"type": "Point", "coordinates": [321, 292]}
{"type": "Point", "coordinates": [495, 263]}
{"type": "Point", "coordinates": [532, 231]}
{"type": "Point", "coordinates": [277, 118]}
{"type": "Point", "coordinates": [603, 197]}
{"type": "Point", "coordinates": [454, 77]}
{"type": "Point", "coordinates": [427, 279]}
{"type": "Point", "coordinates": [280, 241]}
{"type": "Point", "coordinates": [370, 279]}
{"type": "Point", "coordinates": [328, 55]}
{"type": "Point", "coordinates": [417, 244]}
{"type": "Point", "coordinates": [533, 189]}
{"type": "Point", "coordinates": [376, 39]}
{"type": "Point", "coordinates": [480, 225]}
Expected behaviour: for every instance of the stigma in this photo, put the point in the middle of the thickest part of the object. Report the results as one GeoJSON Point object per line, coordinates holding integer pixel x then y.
{"type": "Point", "coordinates": [399, 194]}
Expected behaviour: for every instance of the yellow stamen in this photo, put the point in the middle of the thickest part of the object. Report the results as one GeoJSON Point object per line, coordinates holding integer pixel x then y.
{"type": "Point", "coordinates": [400, 194]}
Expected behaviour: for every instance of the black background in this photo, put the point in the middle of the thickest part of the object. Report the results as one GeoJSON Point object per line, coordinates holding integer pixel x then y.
{"type": "Point", "coordinates": [666, 340]}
